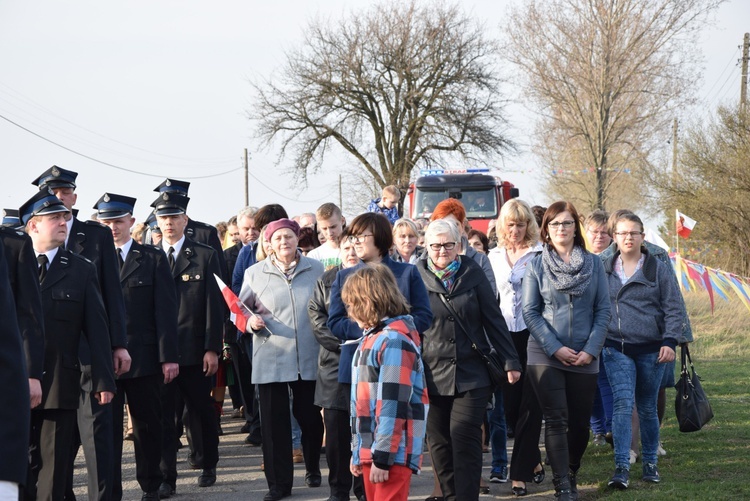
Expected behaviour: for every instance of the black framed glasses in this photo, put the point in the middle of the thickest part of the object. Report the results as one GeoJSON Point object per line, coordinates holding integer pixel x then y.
{"type": "Point", "coordinates": [631, 234]}
{"type": "Point", "coordinates": [446, 245]}
{"type": "Point", "coordinates": [561, 224]}
{"type": "Point", "coordinates": [358, 239]}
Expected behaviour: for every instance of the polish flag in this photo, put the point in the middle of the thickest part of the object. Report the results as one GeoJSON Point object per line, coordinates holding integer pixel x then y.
{"type": "Point", "coordinates": [685, 225]}
{"type": "Point", "coordinates": [239, 313]}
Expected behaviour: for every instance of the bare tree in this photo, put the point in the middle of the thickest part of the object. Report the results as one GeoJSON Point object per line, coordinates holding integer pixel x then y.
{"type": "Point", "coordinates": [397, 86]}
{"type": "Point", "coordinates": [608, 77]}
{"type": "Point", "coordinates": [713, 186]}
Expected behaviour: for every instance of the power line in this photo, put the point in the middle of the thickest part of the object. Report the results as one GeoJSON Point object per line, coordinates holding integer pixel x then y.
{"type": "Point", "coordinates": [284, 196]}
{"type": "Point", "coordinates": [118, 167]}
{"type": "Point", "coordinates": [723, 71]}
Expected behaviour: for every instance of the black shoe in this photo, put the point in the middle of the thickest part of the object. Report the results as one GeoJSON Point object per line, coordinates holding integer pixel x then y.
{"type": "Point", "coordinates": [207, 478]}
{"type": "Point", "coordinates": [573, 484]}
{"type": "Point", "coordinates": [313, 479]}
{"type": "Point", "coordinates": [150, 496]}
{"type": "Point", "coordinates": [609, 439]}
{"type": "Point", "coordinates": [484, 489]}
{"type": "Point", "coordinates": [539, 476]}
{"type": "Point", "coordinates": [245, 428]}
{"type": "Point", "coordinates": [518, 491]}
{"type": "Point", "coordinates": [562, 488]}
{"type": "Point", "coordinates": [650, 473]}
{"type": "Point", "coordinates": [191, 461]}
{"type": "Point", "coordinates": [252, 441]}
{"type": "Point", "coordinates": [165, 490]}
{"type": "Point", "coordinates": [219, 431]}
{"type": "Point", "coordinates": [276, 494]}
{"type": "Point", "coordinates": [620, 479]}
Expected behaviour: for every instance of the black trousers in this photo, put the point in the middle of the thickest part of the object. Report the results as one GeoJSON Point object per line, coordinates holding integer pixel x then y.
{"type": "Point", "coordinates": [513, 393]}
{"type": "Point", "coordinates": [145, 408]}
{"type": "Point", "coordinates": [243, 367]}
{"type": "Point", "coordinates": [276, 427]}
{"type": "Point", "coordinates": [454, 432]}
{"type": "Point", "coordinates": [95, 436]}
{"type": "Point", "coordinates": [565, 398]}
{"type": "Point", "coordinates": [51, 440]}
{"type": "Point", "coordinates": [339, 454]}
{"type": "Point", "coordinates": [196, 391]}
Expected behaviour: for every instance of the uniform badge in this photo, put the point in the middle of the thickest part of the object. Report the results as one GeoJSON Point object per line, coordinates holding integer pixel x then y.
{"type": "Point", "coordinates": [185, 278]}
{"type": "Point", "coordinates": [55, 172]}
{"type": "Point", "coordinates": [197, 277]}
{"type": "Point", "coordinates": [106, 197]}
{"type": "Point", "coordinates": [168, 183]}
{"type": "Point", "coordinates": [165, 196]}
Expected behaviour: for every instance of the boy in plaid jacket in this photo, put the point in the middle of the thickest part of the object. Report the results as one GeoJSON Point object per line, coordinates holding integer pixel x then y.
{"type": "Point", "coordinates": [389, 399]}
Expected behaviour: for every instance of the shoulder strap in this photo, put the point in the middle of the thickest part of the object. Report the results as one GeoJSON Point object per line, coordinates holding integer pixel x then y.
{"type": "Point", "coordinates": [460, 322]}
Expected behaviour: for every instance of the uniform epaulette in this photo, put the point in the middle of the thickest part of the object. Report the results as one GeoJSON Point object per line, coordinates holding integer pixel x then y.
{"type": "Point", "coordinates": [91, 222]}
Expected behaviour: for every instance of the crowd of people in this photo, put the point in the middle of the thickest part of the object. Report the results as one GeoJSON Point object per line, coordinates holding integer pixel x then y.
{"type": "Point", "coordinates": [374, 339]}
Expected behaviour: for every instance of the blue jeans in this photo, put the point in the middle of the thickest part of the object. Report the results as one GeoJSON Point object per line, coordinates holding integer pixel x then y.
{"type": "Point", "coordinates": [498, 436]}
{"type": "Point", "coordinates": [634, 379]}
{"type": "Point", "coordinates": [601, 413]}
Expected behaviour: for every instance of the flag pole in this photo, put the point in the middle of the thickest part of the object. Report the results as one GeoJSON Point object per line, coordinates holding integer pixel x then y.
{"type": "Point", "coordinates": [676, 234]}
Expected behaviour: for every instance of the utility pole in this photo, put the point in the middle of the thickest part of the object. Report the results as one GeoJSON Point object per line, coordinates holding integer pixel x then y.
{"type": "Point", "coordinates": [247, 182]}
{"type": "Point", "coordinates": [341, 196]}
{"type": "Point", "coordinates": [743, 83]}
{"type": "Point", "coordinates": [674, 149]}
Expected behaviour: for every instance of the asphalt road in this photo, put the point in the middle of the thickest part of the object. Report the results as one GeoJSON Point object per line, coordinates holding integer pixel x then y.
{"type": "Point", "coordinates": [240, 477]}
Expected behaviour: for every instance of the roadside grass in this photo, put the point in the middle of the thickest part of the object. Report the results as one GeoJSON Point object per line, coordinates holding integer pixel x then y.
{"type": "Point", "coordinates": [712, 463]}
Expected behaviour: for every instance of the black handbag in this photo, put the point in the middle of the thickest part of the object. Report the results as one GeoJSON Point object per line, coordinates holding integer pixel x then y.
{"type": "Point", "coordinates": [492, 359]}
{"type": "Point", "coordinates": [691, 404]}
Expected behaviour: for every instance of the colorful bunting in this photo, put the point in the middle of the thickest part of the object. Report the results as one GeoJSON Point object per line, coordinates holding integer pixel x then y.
{"type": "Point", "coordinates": [694, 276]}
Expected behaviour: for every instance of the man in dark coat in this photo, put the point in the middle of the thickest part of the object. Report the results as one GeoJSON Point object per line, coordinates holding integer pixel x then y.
{"type": "Point", "coordinates": [200, 321]}
{"type": "Point", "coordinates": [151, 313]}
{"type": "Point", "coordinates": [73, 314]}
{"type": "Point", "coordinates": [24, 286]}
{"type": "Point", "coordinates": [94, 242]}
{"type": "Point", "coordinates": [14, 399]}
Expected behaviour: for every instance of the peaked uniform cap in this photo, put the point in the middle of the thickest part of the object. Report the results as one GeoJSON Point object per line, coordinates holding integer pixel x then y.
{"type": "Point", "coordinates": [43, 202]}
{"type": "Point", "coordinates": [10, 218]}
{"type": "Point", "coordinates": [56, 177]}
{"type": "Point", "coordinates": [113, 206]}
{"type": "Point", "coordinates": [170, 204]}
{"type": "Point", "coordinates": [173, 186]}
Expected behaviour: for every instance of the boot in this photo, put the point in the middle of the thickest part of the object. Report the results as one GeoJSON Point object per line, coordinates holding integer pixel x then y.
{"type": "Point", "coordinates": [573, 485]}
{"type": "Point", "coordinates": [562, 488]}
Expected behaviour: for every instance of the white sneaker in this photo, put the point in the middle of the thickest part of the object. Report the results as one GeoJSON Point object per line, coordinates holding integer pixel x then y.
{"type": "Point", "coordinates": [660, 450]}
{"type": "Point", "coordinates": [633, 456]}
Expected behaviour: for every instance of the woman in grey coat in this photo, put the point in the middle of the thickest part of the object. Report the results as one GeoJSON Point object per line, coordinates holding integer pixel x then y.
{"type": "Point", "coordinates": [285, 355]}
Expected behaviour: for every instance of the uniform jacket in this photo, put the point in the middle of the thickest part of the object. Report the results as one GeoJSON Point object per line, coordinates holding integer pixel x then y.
{"type": "Point", "coordinates": [94, 242]}
{"type": "Point", "coordinates": [389, 401]}
{"type": "Point", "coordinates": [329, 393]}
{"type": "Point", "coordinates": [451, 364]}
{"type": "Point", "coordinates": [151, 308]}
{"type": "Point", "coordinates": [411, 286]}
{"type": "Point", "coordinates": [74, 315]}
{"type": "Point", "coordinates": [14, 399]}
{"type": "Point", "coordinates": [286, 350]}
{"type": "Point", "coordinates": [200, 317]}
{"type": "Point", "coordinates": [646, 312]}
{"type": "Point", "coordinates": [556, 319]}
{"type": "Point", "coordinates": [206, 234]}
{"type": "Point", "coordinates": [24, 285]}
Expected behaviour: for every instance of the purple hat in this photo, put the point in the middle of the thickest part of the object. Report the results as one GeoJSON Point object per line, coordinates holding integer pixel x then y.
{"type": "Point", "coordinates": [279, 224]}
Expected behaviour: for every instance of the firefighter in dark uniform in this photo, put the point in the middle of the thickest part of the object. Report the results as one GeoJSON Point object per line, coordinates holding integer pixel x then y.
{"type": "Point", "coordinates": [199, 330]}
{"type": "Point", "coordinates": [14, 399]}
{"type": "Point", "coordinates": [151, 321]}
{"type": "Point", "coordinates": [11, 219]}
{"type": "Point", "coordinates": [94, 242]}
{"type": "Point", "coordinates": [74, 314]}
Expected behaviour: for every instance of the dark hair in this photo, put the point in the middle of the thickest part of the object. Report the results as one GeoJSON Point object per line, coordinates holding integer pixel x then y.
{"type": "Point", "coordinates": [538, 212]}
{"type": "Point", "coordinates": [598, 217]}
{"type": "Point", "coordinates": [626, 216]}
{"type": "Point", "coordinates": [268, 214]}
{"type": "Point", "coordinates": [307, 238]}
{"type": "Point", "coordinates": [232, 221]}
{"type": "Point", "coordinates": [552, 212]}
{"type": "Point", "coordinates": [380, 227]}
{"type": "Point", "coordinates": [482, 238]}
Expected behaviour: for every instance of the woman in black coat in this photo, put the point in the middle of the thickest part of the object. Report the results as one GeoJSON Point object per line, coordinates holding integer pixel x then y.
{"type": "Point", "coordinates": [458, 382]}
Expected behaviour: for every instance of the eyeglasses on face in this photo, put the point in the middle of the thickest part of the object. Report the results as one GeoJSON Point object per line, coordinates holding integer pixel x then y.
{"type": "Point", "coordinates": [358, 239]}
{"type": "Point", "coordinates": [558, 224]}
{"type": "Point", "coordinates": [446, 245]}
{"type": "Point", "coordinates": [631, 234]}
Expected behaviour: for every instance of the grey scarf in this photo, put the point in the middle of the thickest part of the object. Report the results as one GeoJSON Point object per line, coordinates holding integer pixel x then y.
{"type": "Point", "coordinates": [569, 278]}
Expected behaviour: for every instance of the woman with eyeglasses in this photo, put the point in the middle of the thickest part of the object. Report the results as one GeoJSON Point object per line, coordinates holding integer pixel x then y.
{"type": "Point", "coordinates": [566, 309]}
{"type": "Point", "coordinates": [459, 387]}
{"type": "Point", "coordinates": [643, 332]}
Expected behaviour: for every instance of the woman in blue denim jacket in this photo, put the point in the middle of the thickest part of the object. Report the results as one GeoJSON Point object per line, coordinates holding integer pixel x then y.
{"type": "Point", "coordinates": [645, 327]}
{"type": "Point", "coordinates": [566, 309]}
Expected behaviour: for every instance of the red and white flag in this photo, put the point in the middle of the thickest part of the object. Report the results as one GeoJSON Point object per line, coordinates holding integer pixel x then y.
{"type": "Point", "coordinates": [239, 312]}
{"type": "Point", "coordinates": [684, 224]}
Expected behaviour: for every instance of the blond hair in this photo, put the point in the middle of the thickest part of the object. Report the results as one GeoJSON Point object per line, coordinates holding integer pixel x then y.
{"type": "Point", "coordinates": [371, 293]}
{"type": "Point", "coordinates": [393, 191]}
{"type": "Point", "coordinates": [517, 211]}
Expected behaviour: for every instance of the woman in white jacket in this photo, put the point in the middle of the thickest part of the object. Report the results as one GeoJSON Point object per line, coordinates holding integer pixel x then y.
{"type": "Point", "coordinates": [285, 355]}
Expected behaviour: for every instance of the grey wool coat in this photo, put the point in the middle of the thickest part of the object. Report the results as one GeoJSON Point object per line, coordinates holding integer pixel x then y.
{"type": "Point", "coordinates": [286, 349]}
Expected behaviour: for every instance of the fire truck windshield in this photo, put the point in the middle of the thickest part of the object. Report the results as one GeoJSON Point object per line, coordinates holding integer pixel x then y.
{"type": "Point", "coordinates": [479, 203]}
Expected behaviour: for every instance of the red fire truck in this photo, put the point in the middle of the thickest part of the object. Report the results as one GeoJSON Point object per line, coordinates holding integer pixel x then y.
{"type": "Point", "coordinates": [481, 193]}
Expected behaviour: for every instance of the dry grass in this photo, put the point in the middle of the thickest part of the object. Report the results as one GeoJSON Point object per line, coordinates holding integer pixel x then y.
{"type": "Point", "coordinates": [725, 335]}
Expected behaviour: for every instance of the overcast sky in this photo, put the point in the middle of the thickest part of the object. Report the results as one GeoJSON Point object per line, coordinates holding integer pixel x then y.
{"type": "Point", "coordinates": [161, 88]}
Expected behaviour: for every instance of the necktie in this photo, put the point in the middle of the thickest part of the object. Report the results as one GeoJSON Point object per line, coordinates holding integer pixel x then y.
{"type": "Point", "coordinates": [42, 260]}
{"type": "Point", "coordinates": [170, 258]}
{"type": "Point", "coordinates": [119, 256]}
